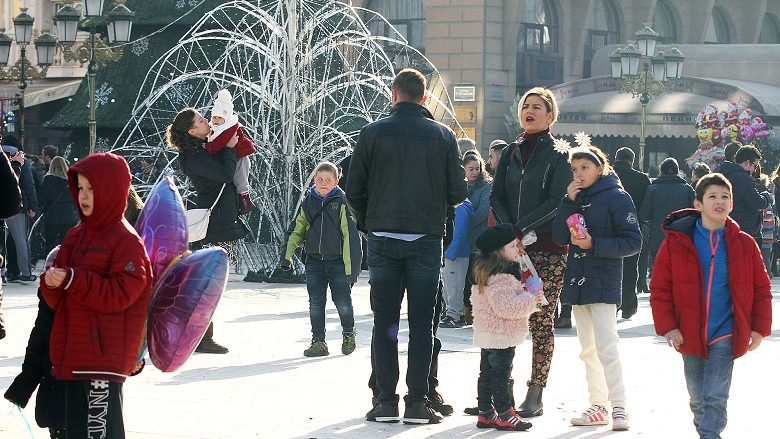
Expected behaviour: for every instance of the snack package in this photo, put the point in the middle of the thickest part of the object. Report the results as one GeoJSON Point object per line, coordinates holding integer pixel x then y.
{"type": "Point", "coordinates": [576, 223]}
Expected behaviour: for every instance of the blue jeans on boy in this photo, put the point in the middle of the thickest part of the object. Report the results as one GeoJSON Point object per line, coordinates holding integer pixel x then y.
{"type": "Point", "coordinates": [495, 368]}
{"type": "Point", "coordinates": [320, 274]}
{"type": "Point", "coordinates": [709, 380]}
{"type": "Point", "coordinates": [396, 266]}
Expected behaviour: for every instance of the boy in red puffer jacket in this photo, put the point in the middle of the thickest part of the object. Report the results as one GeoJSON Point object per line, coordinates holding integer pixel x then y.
{"type": "Point", "coordinates": [99, 287]}
{"type": "Point", "coordinates": [721, 311]}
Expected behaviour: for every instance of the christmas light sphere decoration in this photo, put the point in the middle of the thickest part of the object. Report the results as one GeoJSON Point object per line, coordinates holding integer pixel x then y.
{"type": "Point", "coordinates": [305, 75]}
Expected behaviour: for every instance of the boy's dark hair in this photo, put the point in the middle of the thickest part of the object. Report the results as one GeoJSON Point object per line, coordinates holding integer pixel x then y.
{"type": "Point", "coordinates": [731, 150]}
{"type": "Point", "coordinates": [747, 153]}
{"type": "Point", "coordinates": [624, 154]}
{"type": "Point", "coordinates": [411, 84]}
{"type": "Point", "coordinates": [326, 166]}
{"type": "Point", "coordinates": [700, 170]}
{"type": "Point", "coordinates": [51, 151]}
{"type": "Point", "coordinates": [713, 179]}
{"type": "Point", "coordinates": [670, 166]}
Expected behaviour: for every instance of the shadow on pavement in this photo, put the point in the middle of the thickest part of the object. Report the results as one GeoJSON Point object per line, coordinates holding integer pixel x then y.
{"type": "Point", "coordinates": [242, 371]}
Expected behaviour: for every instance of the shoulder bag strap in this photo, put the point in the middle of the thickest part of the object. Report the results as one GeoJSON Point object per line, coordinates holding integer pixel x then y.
{"type": "Point", "coordinates": [218, 197]}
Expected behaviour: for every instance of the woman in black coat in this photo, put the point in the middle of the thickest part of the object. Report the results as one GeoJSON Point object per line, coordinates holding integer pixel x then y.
{"type": "Point", "coordinates": [208, 174]}
{"type": "Point", "coordinates": [10, 204]}
{"type": "Point", "coordinates": [667, 193]}
{"type": "Point", "coordinates": [56, 202]}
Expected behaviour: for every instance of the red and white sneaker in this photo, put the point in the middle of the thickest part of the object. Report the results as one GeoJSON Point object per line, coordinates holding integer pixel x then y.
{"type": "Point", "coordinates": [594, 415]}
{"type": "Point", "coordinates": [619, 419]}
{"type": "Point", "coordinates": [487, 420]}
{"type": "Point", "coordinates": [511, 421]}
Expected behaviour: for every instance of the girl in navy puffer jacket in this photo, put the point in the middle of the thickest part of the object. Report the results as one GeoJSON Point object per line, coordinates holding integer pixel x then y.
{"type": "Point", "coordinates": [593, 278]}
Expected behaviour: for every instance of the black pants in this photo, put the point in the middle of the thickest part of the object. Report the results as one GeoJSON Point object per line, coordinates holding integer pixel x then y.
{"type": "Point", "coordinates": [433, 381]}
{"type": "Point", "coordinates": [469, 281]}
{"type": "Point", "coordinates": [630, 282]}
{"type": "Point", "coordinates": [495, 368]}
{"type": "Point", "coordinates": [95, 410]}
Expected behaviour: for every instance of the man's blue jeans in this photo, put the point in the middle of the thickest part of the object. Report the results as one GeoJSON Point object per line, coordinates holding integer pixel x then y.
{"type": "Point", "coordinates": [709, 381]}
{"type": "Point", "coordinates": [395, 267]}
{"type": "Point", "coordinates": [320, 274]}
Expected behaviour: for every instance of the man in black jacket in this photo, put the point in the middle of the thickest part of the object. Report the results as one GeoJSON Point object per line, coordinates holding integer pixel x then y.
{"type": "Point", "coordinates": [750, 200]}
{"type": "Point", "coordinates": [18, 224]}
{"type": "Point", "coordinates": [404, 174]}
{"type": "Point", "coordinates": [635, 183]}
{"type": "Point", "coordinates": [10, 204]}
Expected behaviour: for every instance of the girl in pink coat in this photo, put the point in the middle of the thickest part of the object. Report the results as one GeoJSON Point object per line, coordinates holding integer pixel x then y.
{"type": "Point", "coordinates": [501, 307]}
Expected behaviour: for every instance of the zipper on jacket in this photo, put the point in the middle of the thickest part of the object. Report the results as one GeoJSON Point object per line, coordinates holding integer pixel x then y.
{"type": "Point", "coordinates": [708, 291]}
{"type": "Point", "coordinates": [322, 220]}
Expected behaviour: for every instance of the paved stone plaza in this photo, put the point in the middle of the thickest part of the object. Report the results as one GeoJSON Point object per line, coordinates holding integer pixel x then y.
{"type": "Point", "coordinates": [265, 388]}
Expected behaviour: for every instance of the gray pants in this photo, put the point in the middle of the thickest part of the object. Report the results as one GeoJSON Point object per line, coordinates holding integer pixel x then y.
{"type": "Point", "coordinates": [17, 228]}
{"type": "Point", "coordinates": [241, 176]}
{"type": "Point", "coordinates": [454, 280]}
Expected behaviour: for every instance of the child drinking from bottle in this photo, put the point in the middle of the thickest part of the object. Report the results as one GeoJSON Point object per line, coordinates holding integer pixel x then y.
{"type": "Point", "coordinates": [501, 308]}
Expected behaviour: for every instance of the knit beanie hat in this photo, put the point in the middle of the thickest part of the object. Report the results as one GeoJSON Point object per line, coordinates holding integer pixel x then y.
{"type": "Point", "coordinates": [494, 238]}
{"type": "Point", "coordinates": [223, 105]}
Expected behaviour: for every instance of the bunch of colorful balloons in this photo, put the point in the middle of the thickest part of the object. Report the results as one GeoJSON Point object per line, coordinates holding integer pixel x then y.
{"type": "Point", "coordinates": [715, 129]}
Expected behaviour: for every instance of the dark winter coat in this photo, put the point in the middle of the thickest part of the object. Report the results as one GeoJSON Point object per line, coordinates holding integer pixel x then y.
{"type": "Point", "coordinates": [480, 199]}
{"type": "Point", "coordinates": [528, 196]}
{"type": "Point", "coordinates": [326, 229]}
{"type": "Point", "coordinates": [404, 172]}
{"type": "Point", "coordinates": [634, 182]}
{"type": "Point", "coordinates": [36, 371]}
{"type": "Point", "coordinates": [749, 201]}
{"type": "Point", "coordinates": [596, 275]}
{"type": "Point", "coordinates": [100, 308]}
{"type": "Point", "coordinates": [27, 185]}
{"type": "Point", "coordinates": [666, 194]}
{"type": "Point", "coordinates": [56, 203]}
{"type": "Point", "coordinates": [677, 287]}
{"type": "Point", "coordinates": [10, 194]}
{"type": "Point", "coordinates": [207, 173]}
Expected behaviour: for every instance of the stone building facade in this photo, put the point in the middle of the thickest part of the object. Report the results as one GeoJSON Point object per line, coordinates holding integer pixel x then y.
{"type": "Point", "coordinates": [503, 47]}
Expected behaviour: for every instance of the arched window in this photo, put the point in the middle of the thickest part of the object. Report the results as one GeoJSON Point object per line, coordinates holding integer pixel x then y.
{"type": "Point", "coordinates": [770, 30]}
{"type": "Point", "coordinates": [603, 29]}
{"type": "Point", "coordinates": [719, 27]}
{"type": "Point", "coordinates": [665, 21]}
{"type": "Point", "coordinates": [406, 16]}
{"type": "Point", "coordinates": [539, 29]}
{"type": "Point", "coordinates": [538, 62]}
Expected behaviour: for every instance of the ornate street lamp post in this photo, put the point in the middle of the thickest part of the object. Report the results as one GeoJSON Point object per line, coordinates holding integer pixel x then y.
{"type": "Point", "coordinates": [96, 52]}
{"type": "Point", "coordinates": [660, 73]}
{"type": "Point", "coordinates": [22, 70]}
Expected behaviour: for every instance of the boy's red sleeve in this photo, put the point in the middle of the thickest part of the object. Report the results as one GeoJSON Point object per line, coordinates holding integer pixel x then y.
{"type": "Point", "coordinates": [128, 278]}
{"type": "Point", "coordinates": [761, 317]}
{"type": "Point", "coordinates": [221, 140]}
{"type": "Point", "coordinates": [245, 146]}
{"type": "Point", "coordinates": [661, 297]}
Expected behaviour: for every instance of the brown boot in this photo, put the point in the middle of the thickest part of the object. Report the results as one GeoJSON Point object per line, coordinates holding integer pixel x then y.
{"type": "Point", "coordinates": [208, 346]}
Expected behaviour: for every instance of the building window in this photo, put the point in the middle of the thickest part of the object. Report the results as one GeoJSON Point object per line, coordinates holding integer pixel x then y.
{"type": "Point", "coordinates": [603, 29]}
{"type": "Point", "coordinates": [719, 27]}
{"type": "Point", "coordinates": [538, 62]}
{"type": "Point", "coordinates": [406, 16]}
{"type": "Point", "coordinates": [665, 22]}
{"type": "Point", "coordinates": [770, 30]}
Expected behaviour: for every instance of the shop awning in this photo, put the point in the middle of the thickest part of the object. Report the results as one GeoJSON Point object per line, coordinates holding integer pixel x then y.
{"type": "Point", "coordinates": [43, 91]}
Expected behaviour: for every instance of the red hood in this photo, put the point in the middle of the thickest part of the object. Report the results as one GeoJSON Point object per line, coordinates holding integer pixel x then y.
{"type": "Point", "coordinates": [109, 176]}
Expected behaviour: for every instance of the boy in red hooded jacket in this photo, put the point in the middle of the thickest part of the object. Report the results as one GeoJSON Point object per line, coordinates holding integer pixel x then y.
{"type": "Point", "coordinates": [710, 298]}
{"type": "Point", "coordinates": [99, 287]}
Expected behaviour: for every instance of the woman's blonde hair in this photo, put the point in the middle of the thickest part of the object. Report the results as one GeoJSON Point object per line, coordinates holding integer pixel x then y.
{"type": "Point", "coordinates": [547, 96]}
{"type": "Point", "coordinates": [58, 167]}
{"type": "Point", "coordinates": [488, 265]}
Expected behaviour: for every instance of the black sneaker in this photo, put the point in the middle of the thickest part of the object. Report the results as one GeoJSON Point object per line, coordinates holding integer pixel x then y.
{"type": "Point", "coordinates": [28, 278]}
{"type": "Point", "coordinates": [420, 412]}
{"type": "Point", "coordinates": [562, 323]}
{"type": "Point", "coordinates": [450, 322]}
{"type": "Point", "coordinates": [436, 401]}
{"type": "Point", "coordinates": [383, 412]}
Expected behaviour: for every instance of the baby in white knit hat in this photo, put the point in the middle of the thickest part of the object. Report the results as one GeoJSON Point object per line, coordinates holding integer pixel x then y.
{"type": "Point", "coordinates": [224, 125]}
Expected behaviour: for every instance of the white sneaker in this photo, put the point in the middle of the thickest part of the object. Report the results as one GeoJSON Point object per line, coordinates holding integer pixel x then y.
{"type": "Point", "coordinates": [594, 415]}
{"type": "Point", "coordinates": [619, 419]}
